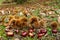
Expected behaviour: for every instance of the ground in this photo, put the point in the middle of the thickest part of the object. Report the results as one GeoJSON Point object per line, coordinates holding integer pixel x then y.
{"type": "Point", "coordinates": [45, 14]}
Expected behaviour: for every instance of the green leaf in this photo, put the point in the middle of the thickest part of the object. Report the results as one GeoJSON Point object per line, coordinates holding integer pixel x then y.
{"type": "Point", "coordinates": [49, 31]}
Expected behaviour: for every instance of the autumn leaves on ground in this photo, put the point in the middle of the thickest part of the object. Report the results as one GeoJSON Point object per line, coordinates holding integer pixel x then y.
{"type": "Point", "coordinates": [32, 20]}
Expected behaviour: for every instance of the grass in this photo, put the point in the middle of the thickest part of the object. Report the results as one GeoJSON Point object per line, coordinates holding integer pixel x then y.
{"type": "Point", "coordinates": [1, 1]}
{"type": "Point", "coordinates": [2, 32]}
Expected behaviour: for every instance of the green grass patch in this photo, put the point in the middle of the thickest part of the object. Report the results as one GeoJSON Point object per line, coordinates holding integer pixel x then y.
{"type": "Point", "coordinates": [1, 1]}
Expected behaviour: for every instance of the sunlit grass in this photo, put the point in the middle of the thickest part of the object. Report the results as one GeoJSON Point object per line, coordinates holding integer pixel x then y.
{"type": "Point", "coordinates": [1, 1]}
